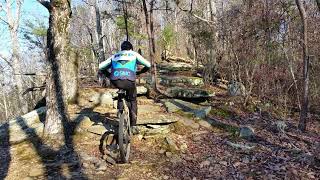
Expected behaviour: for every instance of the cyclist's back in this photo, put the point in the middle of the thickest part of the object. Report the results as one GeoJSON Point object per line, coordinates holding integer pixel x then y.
{"type": "Point", "coordinates": [123, 67]}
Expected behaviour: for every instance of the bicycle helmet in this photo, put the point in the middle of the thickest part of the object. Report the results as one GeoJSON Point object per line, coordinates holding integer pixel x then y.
{"type": "Point", "coordinates": [126, 45]}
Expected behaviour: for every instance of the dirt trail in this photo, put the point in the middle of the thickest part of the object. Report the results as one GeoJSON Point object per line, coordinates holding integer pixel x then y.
{"type": "Point", "coordinates": [188, 149]}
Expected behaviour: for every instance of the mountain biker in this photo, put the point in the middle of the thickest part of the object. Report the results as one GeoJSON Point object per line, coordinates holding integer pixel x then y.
{"type": "Point", "coordinates": [123, 67]}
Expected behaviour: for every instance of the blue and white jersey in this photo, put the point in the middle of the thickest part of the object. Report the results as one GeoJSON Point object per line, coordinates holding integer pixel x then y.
{"type": "Point", "coordinates": [123, 65]}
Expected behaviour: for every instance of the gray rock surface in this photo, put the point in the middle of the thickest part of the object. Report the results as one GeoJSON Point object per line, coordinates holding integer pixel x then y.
{"type": "Point", "coordinates": [97, 129]}
{"type": "Point", "coordinates": [85, 123]}
{"type": "Point", "coordinates": [236, 89]}
{"type": "Point", "coordinates": [24, 127]}
{"type": "Point", "coordinates": [176, 80]}
{"type": "Point", "coordinates": [174, 66]}
{"type": "Point", "coordinates": [149, 114]}
{"type": "Point", "coordinates": [246, 132]}
{"type": "Point", "coordinates": [179, 92]}
{"type": "Point", "coordinates": [176, 105]}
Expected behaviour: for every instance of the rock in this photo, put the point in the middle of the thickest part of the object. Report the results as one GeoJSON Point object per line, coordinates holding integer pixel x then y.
{"type": "Point", "coordinates": [177, 105]}
{"type": "Point", "coordinates": [239, 146]}
{"type": "Point", "coordinates": [179, 92]}
{"type": "Point", "coordinates": [236, 89]}
{"type": "Point", "coordinates": [168, 154]}
{"type": "Point", "coordinates": [184, 147]}
{"type": "Point", "coordinates": [97, 129]}
{"type": "Point", "coordinates": [85, 165]}
{"type": "Point", "coordinates": [106, 99]}
{"type": "Point", "coordinates": [102, 166]}
{"type": "Point", "coordinates": [174, 66]}
{"type": "Point", "coordinates": [36, 171]}
{"type": "Point", "coordinates": [246, 132]}
{"type": "Point", "coordinates": [140, 137]}
{"type": "Point", "coordinates": [162, 130]}
{"type": "Point", "coordinates": [189, 122]}
{"type": "Point", "coordinates": [245, 160]}
{"type": "Point", "coordinates": [204, 164]}
{"type": "Point", "coordinates": [95, 98]}
{"type": "Point", "coordinates": [161, 151]}
{"type": "Point", "coordinates": [27, 178]}
{"type": "Point", "coordinates": [174, 81]}
{"type": "Point", "coordinates": [165, 177]}
{"type": "Point", "coordinates": [204, 123]}
{"type": "Point", "coordinates": [24, 127]}
{"type": "Point", "coordinates": [141, 90]}
{"type": "Point", "coordinates": [202, 113]}
{"type": "Point", "coordinates": [84, 124]}
{"type": "Point", "coordinates": [281, 126]}
{"type": "Point", "coordinates": [153, 126]}
{"type": "Point", "coordinates": [171, 145]}
{"type": "Point", "coordinates": [109, 159]}
{"type": "Point", "coordinates": [151, 114]}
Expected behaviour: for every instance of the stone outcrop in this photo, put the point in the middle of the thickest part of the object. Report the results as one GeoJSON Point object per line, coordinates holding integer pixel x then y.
{"type": "Point", "coordinates": [24, 127]}
{"type": "Point", "coordinates": [180, 92]}
{"type": "Point", "coordinates": [176, 105]}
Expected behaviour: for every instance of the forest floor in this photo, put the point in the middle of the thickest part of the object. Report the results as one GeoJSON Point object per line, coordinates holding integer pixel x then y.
{"type": "Point", "coordinates": [190, 148]}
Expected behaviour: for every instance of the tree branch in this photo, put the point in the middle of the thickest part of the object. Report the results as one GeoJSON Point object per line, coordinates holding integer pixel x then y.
{"type": "Point", "coordinates": [194, 15]}
{"type": "Point", "coordinates": [45, 3]}
{"type": "Point", "coordinates": [6, 60]}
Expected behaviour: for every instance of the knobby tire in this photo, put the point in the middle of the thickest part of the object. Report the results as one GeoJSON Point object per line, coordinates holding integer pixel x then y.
{"type": "Point", "coordinates": [124, 135]}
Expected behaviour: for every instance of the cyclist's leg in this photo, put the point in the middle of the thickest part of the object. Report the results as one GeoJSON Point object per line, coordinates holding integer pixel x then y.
{"type": "Point", "coordinates": [120, 85]}
{"type": "Point", "coordinates": [132, 102]}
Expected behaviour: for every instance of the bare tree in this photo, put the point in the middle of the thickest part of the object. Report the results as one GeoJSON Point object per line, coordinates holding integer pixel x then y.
{"type": "Point", "coordinates": [148, 12]}
{"type": "Point", "coordinates": [305, 97]}
{"type": "Point", "coordinates": [13, 23]}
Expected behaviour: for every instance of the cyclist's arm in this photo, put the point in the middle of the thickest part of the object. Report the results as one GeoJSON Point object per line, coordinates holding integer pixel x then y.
{"type": "Point", "coordinates": [105, 64]}
{"type": "Point", "coordinates": [143, 62]}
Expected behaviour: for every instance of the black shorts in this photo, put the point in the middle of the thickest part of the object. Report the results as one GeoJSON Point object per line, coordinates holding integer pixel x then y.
{"type": "Point", "coordinates": [128, 86]}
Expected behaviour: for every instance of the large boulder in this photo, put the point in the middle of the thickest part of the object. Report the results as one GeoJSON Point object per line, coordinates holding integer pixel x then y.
{"type": "Point", "coordinates": [176, 80]}
{"type": "Point", "coordinates": [150, 114]}
{"type": "Point", "coordinates": [236, 89]}
{"type": "Point", "coordinates": [176, 105]}
{"type": "Point", "coordinates": [173, 80]}
{"type": "Point", "coordinates": [179, 92]}
{"type": "Point", "coordinates": [24, 127]}
{"type": "Point", "coordinates": [247, 132]}
{"type": "Point", "coordinates": [174, 66]}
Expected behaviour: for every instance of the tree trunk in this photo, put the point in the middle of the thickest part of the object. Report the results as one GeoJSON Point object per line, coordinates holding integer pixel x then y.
{"type": "Point", "coordinates": [61, 67]}
{"type": "Point", "coordinates": [101, 53]}
{"type": "Point", "coordinates": [150, 32]}
{"type": "Point", "coordinates": [305, 99]}
{"type": "Point", "coordinates": [13, 24]}
{"type": "Point", "coordinates": [125, 17]}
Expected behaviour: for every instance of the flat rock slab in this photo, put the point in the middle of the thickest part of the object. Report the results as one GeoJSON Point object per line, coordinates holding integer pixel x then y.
{"type": "Point", "coordinates": [177, 105]}
{"type": "Point", "coordinates": [151, 114]}
{"type": "Point", "coordinates": [24, 127]}
{"type": "Point", "coordinates": [175, 66]}
{"type": "Point", "coordinates": [179, 92]}
{"type": "Point", "coordinates": [176, 80]}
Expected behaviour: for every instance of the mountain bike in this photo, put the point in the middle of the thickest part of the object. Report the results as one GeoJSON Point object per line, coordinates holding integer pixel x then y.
{"type": "Point", "coordinates": [124, 130]}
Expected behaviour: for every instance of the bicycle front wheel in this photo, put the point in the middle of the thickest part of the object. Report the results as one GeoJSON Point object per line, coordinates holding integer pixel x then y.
{"type": "Point", "coordinates": [124, 135]}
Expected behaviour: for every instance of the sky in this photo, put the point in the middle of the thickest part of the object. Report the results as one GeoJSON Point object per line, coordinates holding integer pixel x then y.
{"type": "Point", "coordinates": [31, 11]}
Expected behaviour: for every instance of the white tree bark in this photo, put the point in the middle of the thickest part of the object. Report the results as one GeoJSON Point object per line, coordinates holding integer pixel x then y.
{"type": "Point", "coordinates": [13, 21]}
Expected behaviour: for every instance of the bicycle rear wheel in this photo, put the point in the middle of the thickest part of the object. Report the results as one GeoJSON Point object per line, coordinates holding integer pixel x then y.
{"type": "Point", "coordinates": [124, 134]}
